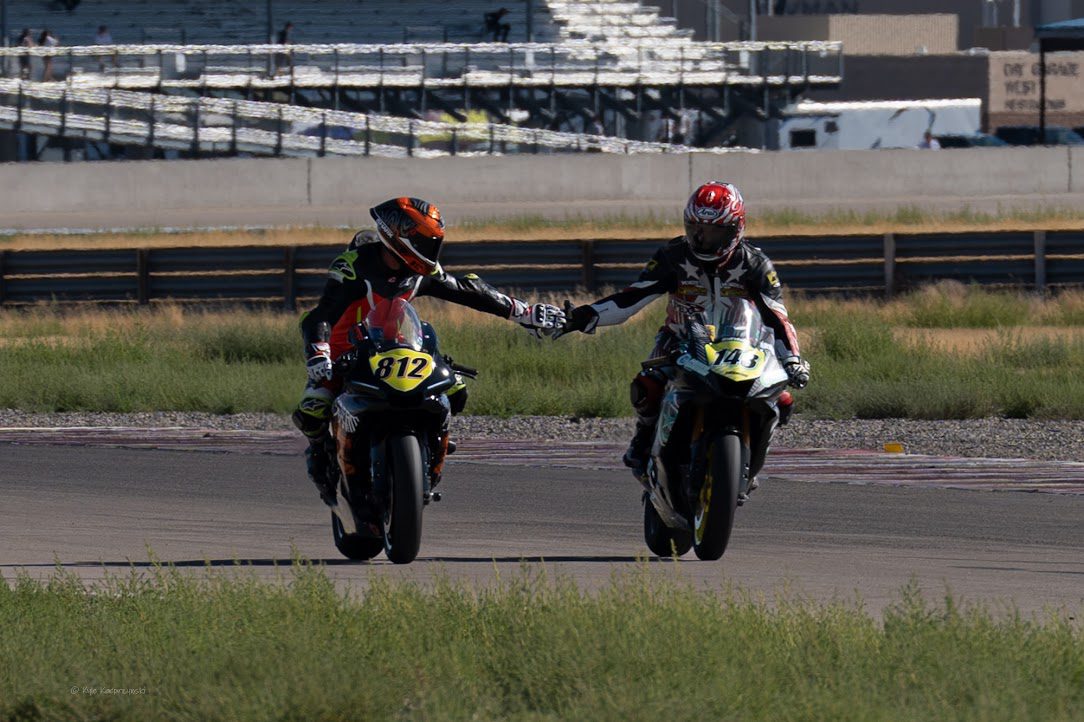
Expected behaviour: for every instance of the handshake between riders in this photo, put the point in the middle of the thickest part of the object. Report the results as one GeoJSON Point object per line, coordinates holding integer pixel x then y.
{"type": "Point", "coordinates": [698, 270]}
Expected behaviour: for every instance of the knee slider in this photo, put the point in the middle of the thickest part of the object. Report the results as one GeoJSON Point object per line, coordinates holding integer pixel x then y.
{"type": "Point", "coordinates": [645, 392]}
{"type": "Point", "coordinates": [313, 411]}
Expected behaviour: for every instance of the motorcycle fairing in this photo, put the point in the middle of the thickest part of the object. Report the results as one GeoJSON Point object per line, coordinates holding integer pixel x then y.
{"type": "Point", "coordinates": [403, 369]}
{"type": "Point", "coordinates": [735, 359]}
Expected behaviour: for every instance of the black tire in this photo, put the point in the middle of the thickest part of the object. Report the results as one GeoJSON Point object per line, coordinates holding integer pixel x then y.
{"type": "Point", "coordinates": [354, 546]}
{"type": "Point", "coordinates": [403, 517]}
{"type": "Point", "coordinates": [714, 509]}
{"type": "Point", "coordinates": [661, 539]}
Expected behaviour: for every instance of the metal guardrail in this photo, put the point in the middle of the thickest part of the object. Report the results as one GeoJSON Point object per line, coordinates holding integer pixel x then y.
{"type": "Point", "coordinates": [284, 275]}
{"type": "Point", "coordinates": [439, 65]}
{"type": "Point", "coordinates": [214, 125]}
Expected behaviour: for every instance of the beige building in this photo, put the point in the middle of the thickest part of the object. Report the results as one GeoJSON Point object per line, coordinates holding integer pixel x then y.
{"type": "Point", "coordinates": [931, 34]}
{"type": "Point", "coordinates": [1014, 89]}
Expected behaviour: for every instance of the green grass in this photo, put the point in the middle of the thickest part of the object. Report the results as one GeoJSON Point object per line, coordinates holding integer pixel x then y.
{"type": "Point", "coordinates": [862, 370]}
{"type": "Point", "coordinates": [169, 359]}
{"type": "Point", "coordinates": [648, 646]}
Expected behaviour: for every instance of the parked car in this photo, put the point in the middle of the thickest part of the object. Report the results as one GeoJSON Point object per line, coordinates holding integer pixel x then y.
{"type": "Point", "coordinates": [974, 140]}
{"type": "Point", "coordinates": [1029, 135]}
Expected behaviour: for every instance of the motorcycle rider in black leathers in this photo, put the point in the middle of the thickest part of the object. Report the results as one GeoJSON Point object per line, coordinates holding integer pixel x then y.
{"type": "Point", "coordinates": [399, 260]}
{"type": "Point", "coordinates": [710, 262]}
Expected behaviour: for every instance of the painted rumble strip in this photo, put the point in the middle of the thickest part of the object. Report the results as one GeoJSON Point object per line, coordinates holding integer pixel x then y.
{"type": "Point", "coordinates": [810, 465]}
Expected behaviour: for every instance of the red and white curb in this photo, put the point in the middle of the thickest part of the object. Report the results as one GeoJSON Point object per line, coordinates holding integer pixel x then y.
{"type": "Point", "coordinates": [847, 466]}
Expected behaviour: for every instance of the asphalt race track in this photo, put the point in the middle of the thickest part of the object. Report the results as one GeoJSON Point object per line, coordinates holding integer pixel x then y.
{"type": "Point", "coordinates": [101, 506]}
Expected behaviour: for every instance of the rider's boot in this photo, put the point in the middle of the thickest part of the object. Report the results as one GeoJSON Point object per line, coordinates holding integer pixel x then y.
{"type": "Point", "coordinates": [760, 443]}
{"type": "Point", "coordinates": [318, 464]}
{"type": "Point", "coordinates": [645, 393]}
{"type": "Point", "coordinates": [311, 417]}
{"type": "Point", "coordinates": [639, 450]}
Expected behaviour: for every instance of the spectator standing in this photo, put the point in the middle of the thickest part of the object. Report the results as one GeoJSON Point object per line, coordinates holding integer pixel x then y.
{"type": "Point", "coordinates": [929, 142]}
{"type": "Point", "coordinates": [494, 25]}
{"type": "Point", "coordinates": [284, 37]}
{"type": "Point", "coordinates": [47, 40]}
{"type": "Point", "coordinates": [26, 40]}
{"type": "Point", "coordinates": [104, 37]}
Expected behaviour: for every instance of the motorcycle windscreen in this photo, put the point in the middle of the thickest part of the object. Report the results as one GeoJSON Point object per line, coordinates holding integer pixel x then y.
{"type": "Point", "coordinates": [736, 351]}
{"type": "Point", "coordinates": [393, 323]}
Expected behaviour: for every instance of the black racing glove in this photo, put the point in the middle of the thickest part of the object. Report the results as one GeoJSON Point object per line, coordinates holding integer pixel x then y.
{"type": "Point", "coordinates": [579, 318]}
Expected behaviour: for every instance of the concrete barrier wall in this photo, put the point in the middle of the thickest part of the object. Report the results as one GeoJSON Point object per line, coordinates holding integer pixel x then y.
{"type": "Point", "coordinates": [147, 185]}
{"type": "Point", "coordinates": [851, 175]}
{"type": "Point", "coordinates": [338, 190]}
{"type": "Point", "coordinates": [506, 179]}
{"type": "Point", "coordinates": [1076, 169]}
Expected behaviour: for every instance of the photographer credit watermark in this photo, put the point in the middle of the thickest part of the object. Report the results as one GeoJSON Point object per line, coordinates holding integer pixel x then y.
{"type": "Point", "coordinates": [108, 691]}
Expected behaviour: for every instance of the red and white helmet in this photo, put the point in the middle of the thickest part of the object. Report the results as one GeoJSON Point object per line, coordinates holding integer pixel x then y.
{"type": "Point", "coordinates": [714, 221]}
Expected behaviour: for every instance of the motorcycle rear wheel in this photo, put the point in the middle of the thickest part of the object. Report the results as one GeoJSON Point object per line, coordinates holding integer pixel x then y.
{"type": "Point", "coordinates": [354, 546]}
{"type": "Point", "coordinates": [403, 516]}
{"type": "Point", "coordinates": [661, 539]}
{"type": "Point", "coordinates": [715, 507]}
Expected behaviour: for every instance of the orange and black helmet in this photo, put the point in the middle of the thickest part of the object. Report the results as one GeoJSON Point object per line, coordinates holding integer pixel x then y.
{"type": "Point", "coordinates": [411, 229]}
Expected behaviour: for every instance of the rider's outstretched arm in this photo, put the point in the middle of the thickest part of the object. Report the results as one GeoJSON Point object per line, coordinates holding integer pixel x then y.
{"type": "Point", "coordinates": [657, 278]}
{"type": "Point", "coordinates": [473, 292]}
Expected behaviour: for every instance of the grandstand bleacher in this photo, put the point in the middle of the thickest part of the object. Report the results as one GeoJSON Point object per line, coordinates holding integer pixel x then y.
{"type": "Point", "coordinates": [212, 126]}
{"type": "Point", "coordinates": [613, 21]}
{"type": "Point", "coordinates": [610, 63]}
{"type": "Point", "coordinates": [244, 22]}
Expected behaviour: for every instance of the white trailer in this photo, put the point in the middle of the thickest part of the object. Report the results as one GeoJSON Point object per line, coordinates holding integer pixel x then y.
{"type": "Point", "coordinates": [875, 124]}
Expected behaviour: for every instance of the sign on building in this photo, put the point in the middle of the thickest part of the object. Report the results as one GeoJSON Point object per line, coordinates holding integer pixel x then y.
{"type": "Point", "coordinates": [1014, 83]}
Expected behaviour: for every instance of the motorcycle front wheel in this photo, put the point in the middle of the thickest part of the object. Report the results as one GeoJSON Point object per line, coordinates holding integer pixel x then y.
{"type": "Point", "coordinates": [715, 506]}
{"type": "Point", "coordinates": [661, 539]}
{"type": "Point", "coordinates": [403, 515]}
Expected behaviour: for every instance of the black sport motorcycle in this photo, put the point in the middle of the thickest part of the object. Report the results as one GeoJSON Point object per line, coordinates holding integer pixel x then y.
{"type": "Point", "coordinates": [390, 432]}
{"type": "Point", "coordinates": [718, 412]}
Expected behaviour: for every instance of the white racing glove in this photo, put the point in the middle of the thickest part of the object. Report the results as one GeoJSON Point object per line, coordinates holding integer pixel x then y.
{"type": "Point", "coordinates": [319, 364]}
{"type": "Point", "coordinates": [542, 318]}
{"type": "Point", "coordinates": [797, 370]}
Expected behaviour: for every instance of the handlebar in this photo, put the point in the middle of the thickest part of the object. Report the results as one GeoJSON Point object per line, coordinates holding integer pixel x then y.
{"type": "Point", "coordinates": [461, 369]}
{"type": "Point", "coordinates": [656, 362]}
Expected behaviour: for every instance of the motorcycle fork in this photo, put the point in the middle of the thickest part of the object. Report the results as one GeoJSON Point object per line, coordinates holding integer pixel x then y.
{"type": "Point", "coordinates": [344, 451]}
{"type": "Point", "coordinates": [440, 453]}
{"type": "Point", "coordinates": [378, 462]}
{"type": "Point", "coordinates": [379, 469]}
{"type": "Point", "coordinates": [694, 476]}
{"type": "Point", "coordinates": [746, 446]}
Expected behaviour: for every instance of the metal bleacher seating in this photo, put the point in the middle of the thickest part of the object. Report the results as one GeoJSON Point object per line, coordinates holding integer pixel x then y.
{"type": "Point", "coordinates": [380, 58]}
{"type": "Point", "coordinates": [228, 22]}
{"type": "Point", "coordinates": [614, 21]}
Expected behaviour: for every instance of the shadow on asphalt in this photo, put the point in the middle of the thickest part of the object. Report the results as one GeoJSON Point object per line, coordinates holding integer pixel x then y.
{"type": "Point", "coordinates": [540, 559]}
{"type": "Point", "coordinates": [337, 561]}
